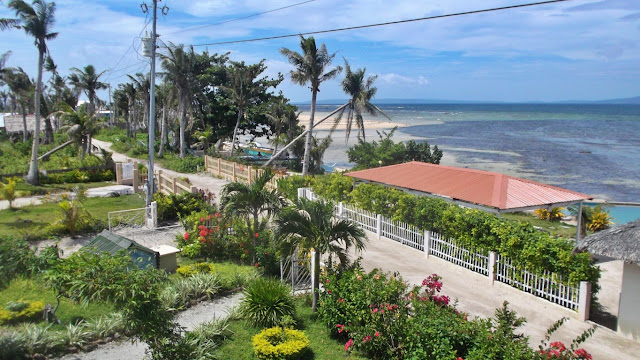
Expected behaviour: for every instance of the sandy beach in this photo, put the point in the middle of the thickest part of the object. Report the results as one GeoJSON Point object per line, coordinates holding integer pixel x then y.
{"type": "Point", "coordinates": [369, 122]}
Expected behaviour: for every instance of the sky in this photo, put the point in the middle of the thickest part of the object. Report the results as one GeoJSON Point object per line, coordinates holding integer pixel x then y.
{"type": "Point", "coordinates": [574, 50]}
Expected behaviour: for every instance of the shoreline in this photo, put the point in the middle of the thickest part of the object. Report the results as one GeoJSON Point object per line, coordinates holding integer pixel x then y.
{"type": "Point", "coordinates": [369, 122]}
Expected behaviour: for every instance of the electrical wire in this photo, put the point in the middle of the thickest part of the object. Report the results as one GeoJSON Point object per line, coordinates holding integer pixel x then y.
{"type": "Point", "coordinates": [147, 21]}
{"type": "Point", "coordinates": [386, 23]}
{"type": "Point", "coordinates": [240, 18]}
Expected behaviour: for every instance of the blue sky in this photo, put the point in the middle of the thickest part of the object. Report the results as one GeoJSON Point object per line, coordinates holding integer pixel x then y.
{"type": "Point", "coordinates": [582, 49]}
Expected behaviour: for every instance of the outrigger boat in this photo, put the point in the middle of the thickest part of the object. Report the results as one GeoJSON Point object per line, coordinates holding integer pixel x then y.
{"type": "Point", "coordinates": [251, 149]}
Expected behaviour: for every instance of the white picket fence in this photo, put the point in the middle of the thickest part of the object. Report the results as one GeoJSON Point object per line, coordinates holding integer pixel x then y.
{"type": "Point", "coordinates": [547, 285]}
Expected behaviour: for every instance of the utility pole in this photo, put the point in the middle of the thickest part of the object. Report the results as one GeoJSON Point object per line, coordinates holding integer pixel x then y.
{"type": "Point", "coordinates": [150, 44]}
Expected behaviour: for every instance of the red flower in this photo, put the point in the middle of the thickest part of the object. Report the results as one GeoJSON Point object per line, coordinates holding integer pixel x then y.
{"type": "Point", "coordinates": [348, 345]}
{"type": "Point", "coordinates": [366, 339]}
{"type": "Point", "coordinates": [559, 346]}
{"type": "Point", "coordinates": [583, 354]}
{"type": "Point", "coordinates": [202, 219]}
{"type": "Point", "coordinates": [186, 235]}
{"type": "Point", "coordinates": [246, 252]}
{"type": "Point", "coordinates": [377, 334]}
{"type": "Point", "coordinates": [257, 234]}
{"type": "Point", "coordinates": [256, 265]}
{"type": "Point", "coordinates": [326, 281]}
{"type": "Point", "coordinates": [203, 233]}
{"type": "Point", "coordinates": [340, 300]}
{"type": "Point", "coordinates": [340, 328]}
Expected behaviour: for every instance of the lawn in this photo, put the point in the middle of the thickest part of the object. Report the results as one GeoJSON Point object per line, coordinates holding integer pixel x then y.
{"type": "Point", "coordinates": [323, 346]}
{"type": "Point", "coordinates": [31, 222]}
{"type": "Point", "coordinates": [25, 189]}
{"type": "Point", "coordinates": [34, 289]}
{"type": "Point", "coordinates": [553, 227]}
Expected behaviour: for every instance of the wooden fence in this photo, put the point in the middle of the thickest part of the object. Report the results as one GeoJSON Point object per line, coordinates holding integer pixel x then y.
{"type": "Point", "coordinates": [546, 285]}
{"type": "Point", "coordinates": [233, 171]}
{"type": "Point", "coordinates": [173, 185]}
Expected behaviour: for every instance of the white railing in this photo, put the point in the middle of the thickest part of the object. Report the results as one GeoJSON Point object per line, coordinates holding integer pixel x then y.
{"type": "Point", "coordinates": [546, 285]}
{"type": "Point", "coordinates": [403, 233]}
{"type": "Point", "coordinates": [367, 219]}
{"type": "Point", "coordinates": [447, 250]}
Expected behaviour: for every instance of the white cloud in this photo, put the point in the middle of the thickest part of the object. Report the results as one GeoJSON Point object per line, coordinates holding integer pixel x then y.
{"type": "Point", "coordinates": [397, 79]}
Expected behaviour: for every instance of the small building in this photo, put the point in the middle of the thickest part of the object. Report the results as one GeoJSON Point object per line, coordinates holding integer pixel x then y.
{"type": "Point", "coordinates": [111, 243]}
{"type": "Point", "coordinates": [623, 243]}
{"type": "Point", "coordinates": [167, 258]}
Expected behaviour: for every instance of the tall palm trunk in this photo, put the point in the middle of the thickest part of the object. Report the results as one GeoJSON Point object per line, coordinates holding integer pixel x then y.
{"type": "Point", "coordinates": [164, 134]}
{"type": "Point", "coordinates": [183, 125]}
{"type": "Point", "coordinates": [255, 239]}
{"type": "Point", "coordinates": [235, 131]}
{"type": "Point", "coordinates": [25, 132]}
{"type": "Point", "coordinates": [32, 176]}
{"type": "Point", "coordinates": [48, 131]}
{"type": "Point", "coordinates": [307, 145]}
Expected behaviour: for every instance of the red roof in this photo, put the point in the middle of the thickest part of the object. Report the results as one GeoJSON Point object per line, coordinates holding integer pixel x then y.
{"type": "Point", "coordinates": [472, 186]}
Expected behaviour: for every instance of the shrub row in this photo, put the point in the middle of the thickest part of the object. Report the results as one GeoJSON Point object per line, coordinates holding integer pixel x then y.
{"type": "Point", "coordinates": [19, 311]}
{"type": "Point", "coordinates": [472, 229]}
{"type": "Point", "coordinates": [78, 176]}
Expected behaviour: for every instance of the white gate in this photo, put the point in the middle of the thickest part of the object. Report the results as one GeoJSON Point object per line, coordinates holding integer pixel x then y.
{"type": "Point", "coordinates": [296, 272]}
{"type": "Point", "coordinates": [146, 217]}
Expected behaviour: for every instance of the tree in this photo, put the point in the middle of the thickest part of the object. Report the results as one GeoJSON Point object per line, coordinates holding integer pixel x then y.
{"type": "Point", "coordinates": [180, 69]}
{"type": "Point", "coordinates": [6, 23]}
{"type": "Point", "coordinates": [22, 93]}
{"type": "Point", "coordinates": [244, 89]}
{"type": "Point", "coordinates": [88, 80]}
{"type": "Point", "coordinates": [311, 225]}
{"type": "Point", "coordinates": [3, 70]}
{"type": "Point", "coordinates": [360, 94]}
{"type": "Point", "coordinates": [80, 126]}
{"type": "Point", "coordinates": [251, 201]}
{"type": "Point", "coordinates": [142, 83]}
{"type": "Point", "coordinates": [165, 94]}
{"type": "Point", "coordinates": [37, 22]}
{"type": "Point", "coordinates": [284, 122]}
{"type": "Point", "coordinates": [310, 67]}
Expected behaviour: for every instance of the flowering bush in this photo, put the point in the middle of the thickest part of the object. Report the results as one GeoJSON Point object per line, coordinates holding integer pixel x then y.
{"type": "Point", "coordinates": [375, 313]}
{"type": "Point", "coordinates": [208, 237]}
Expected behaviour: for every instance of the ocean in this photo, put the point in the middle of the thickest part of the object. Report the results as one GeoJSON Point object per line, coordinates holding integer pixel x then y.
{"type": "Point", "coordinates": [590, 148]}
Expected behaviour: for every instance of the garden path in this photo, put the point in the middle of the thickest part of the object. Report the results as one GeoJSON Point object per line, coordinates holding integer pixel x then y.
{"type": "Point", "coordinates": [200, 180]}
{"type": "Point", "coordinates": [125, 350]}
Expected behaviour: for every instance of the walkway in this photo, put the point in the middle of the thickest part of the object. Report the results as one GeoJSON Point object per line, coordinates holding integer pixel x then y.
{"type": "Point", "coordinates": [478, 297]}
{"type": "Point", "coordinates": [126, 350]}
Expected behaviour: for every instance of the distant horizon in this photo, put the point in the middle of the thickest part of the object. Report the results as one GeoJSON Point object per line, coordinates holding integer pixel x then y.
{"type": "Point", "coordinates": [423, 101]}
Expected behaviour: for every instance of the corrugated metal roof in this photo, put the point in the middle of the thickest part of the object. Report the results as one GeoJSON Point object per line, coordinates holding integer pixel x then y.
{"type": "Point", "coordinates": [111, 243]}
{"type": "Point", "coordinates": [479, 187]}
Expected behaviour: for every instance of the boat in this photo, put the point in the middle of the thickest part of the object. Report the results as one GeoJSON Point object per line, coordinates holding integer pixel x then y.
{"type": "Point", "coordinates": [253, 149]}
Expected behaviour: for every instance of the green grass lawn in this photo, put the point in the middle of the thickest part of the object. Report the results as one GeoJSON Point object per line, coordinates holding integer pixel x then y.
{"type": "Point", "coordinates": [554, 227]}
{"type": "Point", "coordinates": [28, 190]}
{"type": "Point", "coordinates": [34, 289]}
{"type": "Point", "coordinates": [32, 221]}
{"type": "Point", "coordinates": [323, 346]}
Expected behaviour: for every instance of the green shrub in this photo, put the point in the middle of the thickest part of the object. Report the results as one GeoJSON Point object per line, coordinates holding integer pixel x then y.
{"type": "Point", "coordinates": [197, 268]}
{"type": "Point", "coordinates": [172, 207]}
{"type": "Point", "coordinates": [288, 186]}
{"type": "Point", "coordinates": [188, 164]}
{"type": "Point", "coordinates": [12, 345]}
{"type": "Point", "coordinates": [21, 311]}
{"type": "Point", "coordinates": [266, 302]}
{"type": "Point", "coordinates": [280, 344]}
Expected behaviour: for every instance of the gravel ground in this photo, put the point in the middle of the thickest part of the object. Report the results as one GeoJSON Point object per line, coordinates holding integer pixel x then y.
{"type": "Point", "coordinates": [125, 350]}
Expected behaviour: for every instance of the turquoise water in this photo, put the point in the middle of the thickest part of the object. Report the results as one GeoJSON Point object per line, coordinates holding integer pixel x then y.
{"type": "Point", "coordinates": [623, 214]}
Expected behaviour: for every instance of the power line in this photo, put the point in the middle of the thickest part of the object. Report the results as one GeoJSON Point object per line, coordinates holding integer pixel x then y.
{"type": "Point", "coordinates": [113, 69]}
{"type": "Point", "coordinates": [386, 23]}
{"type": "Point", "coordinates": [240, 18]}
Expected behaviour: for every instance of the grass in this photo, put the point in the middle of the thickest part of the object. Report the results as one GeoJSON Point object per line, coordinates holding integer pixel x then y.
{"type": "Point", "coordinates": [29, 190]}
{"type": "Point", "coordinates": [32, 221]}
{"type": "Point", "coordinates": [557, 228]}
{"type": "Point", "coordinates": [323, 346]}
{"type": "Point", "coordinates": [34, 289]}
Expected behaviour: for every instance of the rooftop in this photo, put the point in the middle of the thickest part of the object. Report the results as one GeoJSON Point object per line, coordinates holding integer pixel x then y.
{"type": "Point", "coordinates": [488, 190]}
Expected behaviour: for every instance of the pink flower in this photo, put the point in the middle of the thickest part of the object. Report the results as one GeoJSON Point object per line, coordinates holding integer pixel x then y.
{"type": "Point", "coordinates": [340, 300]}
{"type": "Point", "coordinates": [583, 354]}
{"type": "Point", "coordinates": [257, 234]}
{"type": "Point", "coordinates": [340, 328]}
{"type": "Point", "coordinates": [559, 346]}
{"type": "Point", "coordinates": [375, 311]}
{"type": "Point", "coordinates": [186, 235]}
{"type": "Point", "coordinates": [348, 345]}
{"type": "Point", "coordinates": [377, 334]}
{"type": "Point", "coordinates": [201, 219]}
{"type": "Point", "coordinates": [366, 339]}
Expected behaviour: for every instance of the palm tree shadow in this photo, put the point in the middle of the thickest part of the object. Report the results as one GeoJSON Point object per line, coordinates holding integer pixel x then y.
{"type": "Point", "coordinates": [604, 318]}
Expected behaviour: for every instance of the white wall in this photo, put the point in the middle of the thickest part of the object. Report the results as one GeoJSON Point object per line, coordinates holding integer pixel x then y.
{"type": "Point", "coordinates": [629, 313]}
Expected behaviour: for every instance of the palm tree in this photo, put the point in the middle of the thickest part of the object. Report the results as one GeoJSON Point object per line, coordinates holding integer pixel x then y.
{"type": "Point", "coordinates": [310, 66]}
{"type": "Point", "coordinates": [311, 225]}
{"type": "Point", "coordinates": [243, 89]}
{"type": "Point", "coordinates": [284, 118]}
{"type": "Point", "coordinates": [360, 93]}
{"type": "Point", "coordinates": [128, 91]}
{"type": "Point", "coordinates": [251, 201]}
{"type": "Point", "coordinates": [22, 93]}
{"type": "Point", "coordinates": [36, 21]}
{"type": "Point", "coordinates": [87, 80]}
{"type": "Point", "coordinates": [3, 70]}
{"type": "Point", "coordinates": [165, 95]}
{"type": "Point", "coordinates": [79, 125]}
{"type": "Point", "coordinates": [179, 69]}
{"type": "Point", "coordinates": [142, 84]}
{"type": "Point", "coordinates": [6, 23]}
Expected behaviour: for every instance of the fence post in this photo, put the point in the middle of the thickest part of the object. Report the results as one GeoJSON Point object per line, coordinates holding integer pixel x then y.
{"type": "Point", "coordinates": [313, 270]}
{"type": "Point", "coordinates": [300, 193]}
{"type": "Point", "coordinates": [340, 209]}
{"type": "Point", "coordinates": [281, 271]}
{"type": "Point", "coordinates": [160, 180]}
{"type": "Point", "coordinates": [206, 163]}
{"type": "Point", "coordinates": [427, 243]}
{"type": "Point", "coordinates": [234, 171]}
{"type": "Point", "coordinates": [219, 167]}
{"type": "Point", "coordinates": [174, 184]}
{"type": "Point", "coordinates": [119, 173]}
{"type": "Point", "coordinates": [249, 174]}
{"type": "Point", "coordinates": [135, 179]}
{"type": "Point", "coordinates": [152, 221]}
{"type": "Point", "coordinates": [379, 225]}
{"type": "Point", "coordinates": [584, 301]}
{"type": "Point", "coordinates": [493, 256]}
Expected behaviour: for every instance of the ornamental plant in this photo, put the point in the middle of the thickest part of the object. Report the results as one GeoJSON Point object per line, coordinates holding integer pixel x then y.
{"type": "Point", "coordinates": [280, 344]}
{"type": "Point", "coordinates": [267, 301]}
